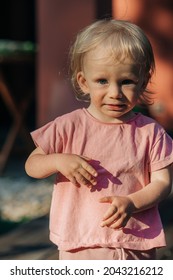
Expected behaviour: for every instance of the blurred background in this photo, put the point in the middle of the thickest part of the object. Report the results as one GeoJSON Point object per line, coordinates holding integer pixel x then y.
{"type": "Point", "coordinates": [35, 87]}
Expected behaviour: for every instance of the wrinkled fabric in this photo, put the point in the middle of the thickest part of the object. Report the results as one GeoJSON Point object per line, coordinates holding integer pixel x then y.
{"type": "Point", "coordinates": [107, 254]}
{"type": "Point", "coordinates": [123, 155]}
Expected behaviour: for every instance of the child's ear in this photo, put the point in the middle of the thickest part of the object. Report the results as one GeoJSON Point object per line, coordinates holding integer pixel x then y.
{"type": "Point", "coordinates": [82, 82]}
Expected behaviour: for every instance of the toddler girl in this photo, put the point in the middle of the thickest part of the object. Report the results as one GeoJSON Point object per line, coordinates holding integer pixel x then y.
{"type": "Point", "coordinates": [113, 166]}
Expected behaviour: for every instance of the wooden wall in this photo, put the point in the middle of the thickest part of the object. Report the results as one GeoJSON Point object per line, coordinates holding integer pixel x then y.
{"type": "Point", "coordinates": [57, 23]}
{"type": "Point", "coordinates": [155, 17]}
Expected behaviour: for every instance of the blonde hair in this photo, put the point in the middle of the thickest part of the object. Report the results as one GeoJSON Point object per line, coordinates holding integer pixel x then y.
{"type": "Point", "coordinates": [124, 39]}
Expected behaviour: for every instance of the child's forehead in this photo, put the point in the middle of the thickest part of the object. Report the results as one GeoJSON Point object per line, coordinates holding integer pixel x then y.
{"type": "Point", "coordinates": [101, 53]}
{"type": "Point", "coordinates": [99, 60]}
{"type": "Point", "coordinates": [98, 52]}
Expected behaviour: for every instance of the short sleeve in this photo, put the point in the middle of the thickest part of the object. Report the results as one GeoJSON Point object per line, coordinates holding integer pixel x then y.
{"type": "Point", "coordinates": [161, 152]}
{"type": "Point", "coordinates": [48, 138]}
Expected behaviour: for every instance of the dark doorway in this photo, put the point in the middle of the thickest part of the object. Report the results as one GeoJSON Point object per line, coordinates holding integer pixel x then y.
{"type": "Point", "coordinates": [103, 9]}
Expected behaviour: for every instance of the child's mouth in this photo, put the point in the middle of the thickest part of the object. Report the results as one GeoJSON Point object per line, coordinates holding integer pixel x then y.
{"type": "Point", "coordinates": [116, 107]}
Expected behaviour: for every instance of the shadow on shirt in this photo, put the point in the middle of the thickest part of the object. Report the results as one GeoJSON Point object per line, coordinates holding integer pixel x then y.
{"type": "Point", "coordinates": [104, 178]}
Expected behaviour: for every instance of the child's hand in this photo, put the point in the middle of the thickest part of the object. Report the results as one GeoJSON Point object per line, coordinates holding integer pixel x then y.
{"type": "Point", "coordinates": [118, 213]}
{"type": "Point", "coordinates": [77, 170]}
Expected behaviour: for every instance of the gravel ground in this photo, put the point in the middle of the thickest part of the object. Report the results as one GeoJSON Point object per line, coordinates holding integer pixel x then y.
{"type": "Point", "coordinates": [22, 197]}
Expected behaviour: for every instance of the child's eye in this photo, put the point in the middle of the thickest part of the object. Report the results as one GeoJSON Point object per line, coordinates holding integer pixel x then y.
{"type": "Point", "coordinates": [128, 82]}
{"type": "Point", "coordinates": [102, 81]}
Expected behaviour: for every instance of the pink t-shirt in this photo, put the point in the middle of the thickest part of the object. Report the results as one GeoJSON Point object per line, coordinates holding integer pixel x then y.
{"type": "Point", "coordinates": [123, 155]}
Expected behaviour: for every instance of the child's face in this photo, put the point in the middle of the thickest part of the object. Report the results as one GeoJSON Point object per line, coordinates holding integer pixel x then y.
{"type": "Point", "coordinates": [114, 88]}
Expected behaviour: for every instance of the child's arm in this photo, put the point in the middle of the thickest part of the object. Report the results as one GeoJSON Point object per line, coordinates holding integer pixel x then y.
{"type": "Point", "coordinates": [122, 208]}
{"type": "Point", "coordinates": [75, 168]}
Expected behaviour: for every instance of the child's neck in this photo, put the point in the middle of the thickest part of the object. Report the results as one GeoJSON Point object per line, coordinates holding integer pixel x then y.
{"type": "Point", "coordinates": [106, 119]}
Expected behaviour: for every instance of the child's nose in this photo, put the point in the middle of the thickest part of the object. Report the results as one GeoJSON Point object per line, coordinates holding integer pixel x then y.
{"type": "Point", "coordinates": [115, 91]}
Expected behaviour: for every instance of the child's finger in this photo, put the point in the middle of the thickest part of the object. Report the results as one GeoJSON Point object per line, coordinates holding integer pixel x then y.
{"type": "Point", "coordinates": [111, 212]}
{"type": "Point", "coordinates": [73, 181]}
{"type": "Point", "coordinates": [111, 219]}
{"type": "Point", "coordinates": [119, 224]}
{"type": "Point", "coordinates": [107, 199]}
{"type": "Point", "coordinates": [88, 177]}
{"type": "Point", "coordinates": [86, 158]}
{"type": "Point", "coordinates": [88, 167]}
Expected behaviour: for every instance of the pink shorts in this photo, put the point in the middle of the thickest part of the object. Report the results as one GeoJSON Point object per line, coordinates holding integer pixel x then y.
{"type": "Point", "coordinates": [107, 254]}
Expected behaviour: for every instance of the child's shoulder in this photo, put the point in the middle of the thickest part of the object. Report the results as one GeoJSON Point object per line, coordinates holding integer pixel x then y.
{"type": "Point", "coordinates": [70, 116]}
{"type": "Point", "coordinates": [149, 127]}
{"type": "Point", "coordinates": [146, 121]}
